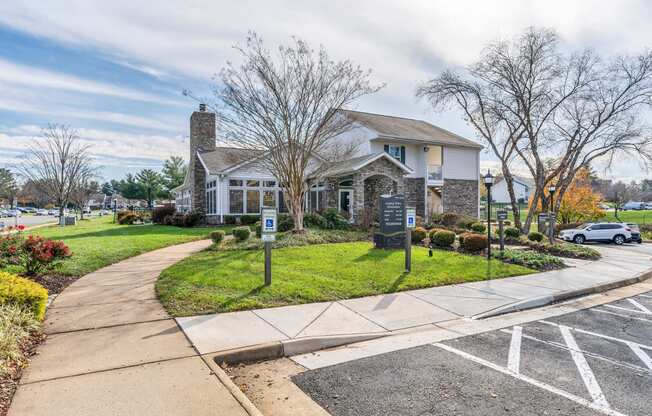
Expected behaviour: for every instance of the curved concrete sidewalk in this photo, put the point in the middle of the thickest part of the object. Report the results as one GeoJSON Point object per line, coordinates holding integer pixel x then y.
{"type": "Point", "coordinates": [290, 330]}
{"type": "Point", "coordinates": [113, 350]}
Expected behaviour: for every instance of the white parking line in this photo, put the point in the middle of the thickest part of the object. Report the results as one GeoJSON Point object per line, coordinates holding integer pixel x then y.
{"type": "Point", "coordinates": [583, 367]}
{"type": "Point", "coordinates": [514, 359]}
{"type": "Point", "coordinates": [639, 306]}
{"type": "Point", "coordinates": [641, 354]}
{"type": "Point", "coordinates": [624, 341]}
{"type": "Point", "coordinates": [552, 389]}
{"type": "Point", "coordinates": [627, 309]}
{"type": "Point", "coordinates": [621, 315]}
{"type": "Point", "coordinates": [645, 296]}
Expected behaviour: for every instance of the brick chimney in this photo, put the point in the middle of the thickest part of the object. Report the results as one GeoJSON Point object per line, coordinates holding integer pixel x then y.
{"type": "Point", "coordinates": [202, 139]}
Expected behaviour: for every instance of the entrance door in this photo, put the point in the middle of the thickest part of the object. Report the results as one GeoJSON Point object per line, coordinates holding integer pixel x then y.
{"type": "Point", "coordinates": [345, 200]}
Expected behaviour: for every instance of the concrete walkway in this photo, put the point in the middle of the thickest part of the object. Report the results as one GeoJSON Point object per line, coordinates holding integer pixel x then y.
{"type": "Point", "coordinates": [303, 328]}
{"type": "Point", "coordinates": [113, 350]}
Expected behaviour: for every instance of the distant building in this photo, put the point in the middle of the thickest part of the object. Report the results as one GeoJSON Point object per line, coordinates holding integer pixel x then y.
{"type": "Point", "coordinates": [522, 189]}
{"type": "Point", "coordinates": [98, 201]}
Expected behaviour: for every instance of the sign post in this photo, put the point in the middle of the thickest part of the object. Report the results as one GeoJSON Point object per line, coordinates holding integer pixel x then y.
{"type": "Point", "coordinates": [502, 216]}
{"type": "Point", "coordinates": [410, 223]}
{"type": "Point", "coordinates": [552, 221]}
{"type": "Point", "coordinates": [542, 220]}
{"type": "Point", "coordinates": [268, 234]}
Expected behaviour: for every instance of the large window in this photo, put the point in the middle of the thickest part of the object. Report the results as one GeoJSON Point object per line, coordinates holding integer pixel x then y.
{"type": "Point", "coordinates": [248, 196]}
{"type": "Point", "coordinates": [253, 201]}
{"type": "Point", "coordinates": [211, 198]}
{"type": "Point", "coordinates": [397, 152]}
{"type": "Point", "coordinates": [236, 201]}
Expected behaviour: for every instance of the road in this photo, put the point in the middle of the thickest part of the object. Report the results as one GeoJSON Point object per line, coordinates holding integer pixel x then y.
{"type": "Point", "coordinates": [28, 220]}
{"type": "Point", "coordinates": [591, 362]}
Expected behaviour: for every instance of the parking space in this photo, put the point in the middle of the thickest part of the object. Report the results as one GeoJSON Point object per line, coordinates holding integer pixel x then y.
{"type": "Point", "coordinates": [591, 362]}
{"type": "Point", "coordinates": [27, 220]}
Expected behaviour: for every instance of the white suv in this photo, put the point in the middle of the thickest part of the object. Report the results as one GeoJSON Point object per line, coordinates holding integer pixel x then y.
{"type": "Point", "coordinates": [603, 231]}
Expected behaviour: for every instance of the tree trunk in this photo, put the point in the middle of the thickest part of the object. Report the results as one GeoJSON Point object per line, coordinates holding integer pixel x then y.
{"type": "Point", "coordinates": [62, 219]}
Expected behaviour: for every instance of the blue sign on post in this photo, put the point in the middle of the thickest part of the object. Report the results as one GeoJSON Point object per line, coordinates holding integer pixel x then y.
{"type": "Point", "coordinates": [411, 217]}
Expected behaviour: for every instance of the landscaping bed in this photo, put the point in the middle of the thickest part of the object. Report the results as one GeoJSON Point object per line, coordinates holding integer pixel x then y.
{"type": "Point", "coordinates": [232, 280]}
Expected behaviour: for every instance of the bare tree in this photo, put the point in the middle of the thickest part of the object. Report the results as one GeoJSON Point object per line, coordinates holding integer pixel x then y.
{"type": "Point", "coordinates": [532, 105]}
{"type": "Point", "coordinates": [82, 193]}
{"type": "Point", "coordinates": [57, 164]}
{"type": "Point", "coordinates": [287, 105]}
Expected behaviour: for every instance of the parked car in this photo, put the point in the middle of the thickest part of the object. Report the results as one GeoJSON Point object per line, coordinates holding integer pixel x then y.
{"type": "Point", "coordinates": [14, 213]}
{"type": "Point", "coordinates": [636, 233]}
{"type": "Point", "coordinates": [86, 210]}
{"type": "Point", "coordinates": [41, 212]}
{"type": "Point", "coordinates": [647, 205]}
{"type": "Point", "coordinates": [4, 213]}
{"type": "Point", "coordinates": [607, 232]}
{"type": "Point", "coordinates": [53, 211]}
{"type": "Point", "coordinates": [633, 206]}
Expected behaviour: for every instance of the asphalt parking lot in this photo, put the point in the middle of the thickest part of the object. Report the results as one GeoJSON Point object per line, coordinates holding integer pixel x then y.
{"type": "Point", "coordinates": [592, 362]}
{"type": "Point", "coordinates": [27, 220]}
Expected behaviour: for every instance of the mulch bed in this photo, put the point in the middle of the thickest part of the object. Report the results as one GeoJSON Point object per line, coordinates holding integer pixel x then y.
{"type": "Point", "coordinates": [9, 382]}
{"type": "Point", "coordinates": [55, 284]}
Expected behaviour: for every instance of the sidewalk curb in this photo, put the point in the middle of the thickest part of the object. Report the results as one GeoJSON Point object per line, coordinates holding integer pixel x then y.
{"type": "Point", "coordinates": [235, 391]}
{"type": "Point", "coordinates": [288, 348]}
{"type": "Point", "coordinates": [539, 301]}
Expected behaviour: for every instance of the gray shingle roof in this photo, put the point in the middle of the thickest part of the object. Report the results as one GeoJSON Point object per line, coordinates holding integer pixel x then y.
{"type": "Point", "coordinates": [409, 129]}
{"type": "Point", "coordinates": [351, 165]}
{"type": "Point", "coordinates": [224, 157]}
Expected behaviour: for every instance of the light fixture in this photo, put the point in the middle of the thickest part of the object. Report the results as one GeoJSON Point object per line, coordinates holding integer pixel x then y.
{"type": "Point", "coordinates": [488, 179]}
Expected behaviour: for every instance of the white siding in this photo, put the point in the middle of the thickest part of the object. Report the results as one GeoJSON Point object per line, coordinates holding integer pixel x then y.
{"type": "Point", "coordinates": [415, 157]}
{"type": "Point", "coordinates": [359, 137]}
{"type": "Point", "coordinates": [461, 163]}
{"type": "Point", "coordinates": [499, 192]}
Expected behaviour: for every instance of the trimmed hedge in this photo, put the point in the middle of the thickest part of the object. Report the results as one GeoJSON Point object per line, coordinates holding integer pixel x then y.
{"type": "Point", "coordinates": [249, 219]}
{"type": "Point", "coordinates": [285, 222]}
{"type": "Point", "coordinates": [241, 233]}
{"type": "Point", "coordinates": [478, 227]}
{"type": "Point", "coordinates": [23, 292]}
{"type": "Point", "coordinates": [217, 236]}
{"type": "Point", "coordinates": [443, 238]}
{"type": "Point", "coordinates": [160, 213]}
{"type": "Point", "coordinates": [474, 243]}
{"type": "Point", "coordinates": [535, 236]}
{"type": "Point", "coordinates": [512, 232]}
{"type": "Point", "coordinates": [418, 234]}
{"type": "Point", "coordinates": [314, 220]}
{"type": "Point", "coordinates": [434, 231]}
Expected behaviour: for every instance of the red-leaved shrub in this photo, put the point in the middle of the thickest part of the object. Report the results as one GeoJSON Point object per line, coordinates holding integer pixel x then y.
{"type": "Point", "coordinates": [38, 254]}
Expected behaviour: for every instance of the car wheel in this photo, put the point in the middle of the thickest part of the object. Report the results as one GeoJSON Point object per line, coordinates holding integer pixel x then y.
{"type": "Point", "coordinates": [619, 240]}
{"type": "Point", "coordinates": [579, 239]}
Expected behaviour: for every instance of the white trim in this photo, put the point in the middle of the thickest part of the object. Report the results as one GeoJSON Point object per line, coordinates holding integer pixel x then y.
{"type": "Point", "coordinates": [339, 199]}
{"type": "Point", "coordinates": [203, 164]}
{"type": "Point", "coordinates": [385, 155]}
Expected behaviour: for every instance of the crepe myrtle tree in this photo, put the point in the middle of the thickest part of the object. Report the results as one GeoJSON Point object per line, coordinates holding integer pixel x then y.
{"type": "Point", "coordinates": [57, 164]}
{"type": "Point", "coordinates": [286, 104]}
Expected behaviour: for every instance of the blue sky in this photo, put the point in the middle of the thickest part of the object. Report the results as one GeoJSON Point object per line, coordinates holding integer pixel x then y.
{"type": "Point", "coordinates": [115, 70]}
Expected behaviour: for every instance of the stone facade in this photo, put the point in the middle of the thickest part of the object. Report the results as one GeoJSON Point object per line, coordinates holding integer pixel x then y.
{"type": "Point", "coordinates": [460, 196]}
{"type": "Point", "coordinates": [383, 168]}
{"type": "Point", "coordinates": [415, 189]}
{"type": "Point", "coordinates": [202, 139]}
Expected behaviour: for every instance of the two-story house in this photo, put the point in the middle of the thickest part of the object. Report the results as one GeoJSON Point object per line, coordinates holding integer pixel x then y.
{"type": "Point", "coordinates": [437, 170]}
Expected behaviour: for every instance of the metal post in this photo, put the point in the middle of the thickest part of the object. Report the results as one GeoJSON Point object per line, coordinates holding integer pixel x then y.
{"type": "Point", "coordinates": [408, 249]}
{"type": "Point", "coordinates": [489, 223]}
{"type": "Point", "coordinates": [551, 224]}
{"type": "Point", "coordinates": [268, 263]}
{"type": "Point", "coordinates": [502, 235]}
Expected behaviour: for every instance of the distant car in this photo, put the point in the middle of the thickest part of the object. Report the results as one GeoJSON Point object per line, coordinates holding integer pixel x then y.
{"type": "Point", "coordinates": [633, 206]}
{"type": "Point", "coordinates": [53, 211]}
{"type": "Point", "coordinates": [647, 205]}
{"type": "Point", "coordinates": [4, 213]}
{"type": "Point", "coordinates": [604, 206]}
{"type": "Point", "coordinates": [636, 233]}
{"type": "Point", "coordinates": [41, 212]}
{"type": "Point", "coordinates": [607, 232]}
{"type": "Point", "coordinates": [86, 210]}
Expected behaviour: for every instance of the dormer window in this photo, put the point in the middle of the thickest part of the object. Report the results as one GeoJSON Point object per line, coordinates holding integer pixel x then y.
{"type": "Point", "coordinates": [397, 152]}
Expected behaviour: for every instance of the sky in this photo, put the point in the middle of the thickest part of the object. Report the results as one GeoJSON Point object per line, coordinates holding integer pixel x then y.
{"type": "Point", "coordinates": [115, 71]}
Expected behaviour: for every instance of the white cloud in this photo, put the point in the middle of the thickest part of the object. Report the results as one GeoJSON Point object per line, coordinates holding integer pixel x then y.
{"type": "Point", "coordinates": [32, 77]}
{"type": "Point", "coordinates": [107, 147]}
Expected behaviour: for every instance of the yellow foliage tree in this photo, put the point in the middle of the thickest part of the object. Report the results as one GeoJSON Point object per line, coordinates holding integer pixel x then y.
{"type": "Point", "coordinates": [580, 203]}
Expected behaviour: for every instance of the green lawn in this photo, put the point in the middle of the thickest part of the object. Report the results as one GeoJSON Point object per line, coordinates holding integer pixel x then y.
{"type": "Point", "coordinates": [98, 242]}
{"type": "Point", "coordinates": [231, 280]}
{"type": "Point", "coordinates": [639, 217]}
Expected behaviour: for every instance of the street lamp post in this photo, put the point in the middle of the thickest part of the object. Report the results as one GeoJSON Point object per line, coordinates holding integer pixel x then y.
{"type": "Point", "coordinates": [551, 216]}
{"type": "Point", "coordinates": [488, 181]}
